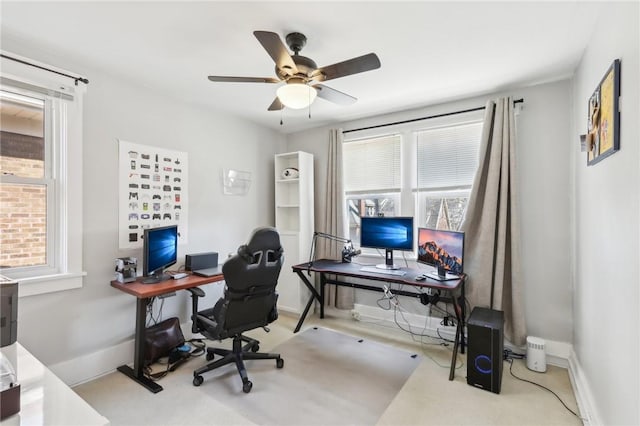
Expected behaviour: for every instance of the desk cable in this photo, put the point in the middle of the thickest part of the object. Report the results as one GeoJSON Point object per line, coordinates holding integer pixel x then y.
{"type": "Point", "coordinates": [175, 359]}
{"type": "Point", "coordinates": [393, 300]}
{"type": "Point", "coordinates": [152, 320]}
{"type": "Point", "coordinates": [509, 356]}
{"type": "Point", "coordinates": [443, 342]}
{"type": "Point", "coordinates": [389, 297]}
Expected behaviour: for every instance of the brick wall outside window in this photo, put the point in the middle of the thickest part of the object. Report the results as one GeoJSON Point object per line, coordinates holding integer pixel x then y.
{"type": "Point", "coordinates": [23, 215]}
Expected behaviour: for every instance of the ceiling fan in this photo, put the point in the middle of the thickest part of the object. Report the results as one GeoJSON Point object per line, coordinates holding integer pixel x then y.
{"type": "Point", "coordinates": [301, 74]}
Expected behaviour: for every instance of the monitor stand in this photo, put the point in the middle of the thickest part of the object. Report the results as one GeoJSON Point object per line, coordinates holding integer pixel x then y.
{"type": "Point", "coordinates": [155, 278]}
{"type": "Point", "coordinates": [388, 263]}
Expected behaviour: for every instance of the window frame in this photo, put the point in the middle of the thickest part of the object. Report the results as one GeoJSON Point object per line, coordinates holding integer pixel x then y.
{"type": "Point", "coordinates": [64, 101]}
{"type": "Point", "coordinates": [48, 181]}
{"type": "Point", "coordinates": [421, 193]}
{"type": "Point", "coordinates": [412, 198]}
{"type": "Point", "coordinates": [391, 192]}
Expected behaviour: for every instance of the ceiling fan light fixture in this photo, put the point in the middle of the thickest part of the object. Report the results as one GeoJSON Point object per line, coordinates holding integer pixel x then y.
{"type": "Point", "coordinates": [296, 95]}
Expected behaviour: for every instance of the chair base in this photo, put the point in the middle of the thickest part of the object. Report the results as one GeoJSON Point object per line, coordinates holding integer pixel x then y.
{"type": "Point", "coordinates": [237, 355]}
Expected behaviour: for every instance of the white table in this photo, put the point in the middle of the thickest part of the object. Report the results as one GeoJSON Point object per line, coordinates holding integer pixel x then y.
{"type": "Point", "coordinates": [44, 398]}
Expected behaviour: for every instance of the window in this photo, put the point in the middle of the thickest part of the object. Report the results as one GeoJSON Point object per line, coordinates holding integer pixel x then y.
{"type": "Point", "coordinates": [372, 176]}
{"type": "Point", "coordinates": [447, 159]}
{"type": "Point", "coordinates": [41, 181]}
{"type": "Point", "coordinates": [422, 172]}
{"type": "Point", "coordinates": [25, 202]}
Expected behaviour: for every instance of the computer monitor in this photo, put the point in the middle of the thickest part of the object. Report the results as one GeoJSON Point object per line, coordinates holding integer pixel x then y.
{"type": "Point", "coordinates": [388, 233]}
{"type": "Point", "coordinates": [441, 248]}
{"type": "Point", "coordinates": [160, 251]}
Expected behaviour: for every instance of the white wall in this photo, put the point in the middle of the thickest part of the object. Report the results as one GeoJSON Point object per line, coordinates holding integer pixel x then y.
{"type": "Point", "coordinates": [543, 154]}
{"type": "Point", "coordinates": [606, 296]}
{"type": "Point", "coordinates": [68, 325]}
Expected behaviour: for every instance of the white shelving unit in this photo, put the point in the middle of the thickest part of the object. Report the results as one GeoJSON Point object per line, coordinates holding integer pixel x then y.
{"type": "Point", "coordinates": [295, 223]}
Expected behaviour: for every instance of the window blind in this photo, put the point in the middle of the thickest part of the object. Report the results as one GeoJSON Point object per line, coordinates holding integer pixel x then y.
{"type": "Point", "coordinates": [447, 157]}
{"type": "Point", "coordinates": [372, 165]}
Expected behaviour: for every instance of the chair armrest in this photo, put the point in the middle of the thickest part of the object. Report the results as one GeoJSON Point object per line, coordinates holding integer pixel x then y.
{"type": "Point", "coordinates": [211, 325]}
{"type": "Point", "coordinates": [196, 291]}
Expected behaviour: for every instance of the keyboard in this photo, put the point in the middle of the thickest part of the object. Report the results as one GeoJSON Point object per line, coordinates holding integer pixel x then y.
{"type": "Point", "coordinates": [375, 270]}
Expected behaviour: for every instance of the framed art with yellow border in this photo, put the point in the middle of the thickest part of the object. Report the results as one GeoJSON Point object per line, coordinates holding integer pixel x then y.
{"type": "Point", "coordinates": [603, 122]}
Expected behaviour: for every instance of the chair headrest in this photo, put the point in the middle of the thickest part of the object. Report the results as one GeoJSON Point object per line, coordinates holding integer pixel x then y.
{"type": "Point", "coordinates": [261, 240]}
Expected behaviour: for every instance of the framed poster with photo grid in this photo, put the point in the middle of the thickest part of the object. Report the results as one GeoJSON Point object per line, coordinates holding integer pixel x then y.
{"type": "Point", "coordinates": [153, 192]}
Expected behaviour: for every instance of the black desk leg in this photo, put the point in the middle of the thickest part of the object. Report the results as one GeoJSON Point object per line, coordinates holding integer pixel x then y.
{"type": "Point", "coordinates": [459, 340]}
{"type": "Point", "coordinates": [323, 283]}
{"type": "Point", "coordinates": [314, 295]}
{"type": "Point", "coordinates": [454, 357]}
{"type": "Point", "coordinates": [137, 372]}
{"type": "Point", "coordinates": [463, 315]}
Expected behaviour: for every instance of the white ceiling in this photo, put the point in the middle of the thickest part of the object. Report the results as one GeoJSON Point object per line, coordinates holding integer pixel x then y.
{"type": "Point", "coordinates": [430, 52]}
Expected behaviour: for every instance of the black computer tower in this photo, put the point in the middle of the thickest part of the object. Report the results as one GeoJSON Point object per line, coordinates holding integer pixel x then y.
{"type": "Point", "coordinates": [485, 352]}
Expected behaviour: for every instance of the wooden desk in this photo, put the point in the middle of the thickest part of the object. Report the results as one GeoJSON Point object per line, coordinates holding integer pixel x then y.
{"type": "Point", "coordinates": [143, 294]}
{"type": "Point", "coordinates": [327, 267]}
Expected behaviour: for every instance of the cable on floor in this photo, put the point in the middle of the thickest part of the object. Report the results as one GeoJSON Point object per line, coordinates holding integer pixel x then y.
{"type": "Point", "coordinates": [175, 359]}
{"type": "Point", "coordinates": [399, 310]}
{"type": "Point", "coordinates": [510, 361]}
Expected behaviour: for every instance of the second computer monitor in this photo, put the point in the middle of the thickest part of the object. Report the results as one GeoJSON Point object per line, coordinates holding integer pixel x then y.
{"type": "Point", "coordinates": [388, 233]}
{"type": "Point", "coordinates": [438, 247]}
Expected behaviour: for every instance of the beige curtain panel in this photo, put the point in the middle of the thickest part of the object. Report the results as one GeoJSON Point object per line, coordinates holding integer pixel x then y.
{"type": "Point", "coordinates": [491, 226]}
{"type": "Point", "coordinates": [334, 221]}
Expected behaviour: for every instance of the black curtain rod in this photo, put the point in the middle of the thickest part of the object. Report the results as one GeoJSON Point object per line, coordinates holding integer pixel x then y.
{"type": "Point", "coordinates": [76, 79]}
{"type": "Point", "coordinates": [517, 101]}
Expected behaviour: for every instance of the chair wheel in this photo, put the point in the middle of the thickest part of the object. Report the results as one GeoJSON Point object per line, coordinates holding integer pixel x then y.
{"type": "Point", "coordinates": [209, 356]}
{"type": "Point", "coordinates": [246, 386]}
{"type": "Point", "coordinates": [279, 363]}
{"type": "Point", "coordinates": [197, 380]}
{"type": "Point", "coordinates": [255, 348]}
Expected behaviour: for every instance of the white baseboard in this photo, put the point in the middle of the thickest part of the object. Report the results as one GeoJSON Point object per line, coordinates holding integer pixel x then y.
{"type": "Point", "coordinates": [418, 323]}
{"type": "Point", "coordinates": [582, 391]}
{"type": "Point", "coordinates": [91, 366]}
{"type": "Point", "coordinates": [97, 364]}
{"type": "Point", "coordinates": [557, 352]}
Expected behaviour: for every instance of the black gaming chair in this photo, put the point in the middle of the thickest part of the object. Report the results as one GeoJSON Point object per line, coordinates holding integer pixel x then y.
{"type": "Point", "coordinates": [249, 302]}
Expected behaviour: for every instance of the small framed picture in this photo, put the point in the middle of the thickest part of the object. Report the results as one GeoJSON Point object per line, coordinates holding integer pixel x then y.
{"type": "Point", "coordinates": [603, 121]}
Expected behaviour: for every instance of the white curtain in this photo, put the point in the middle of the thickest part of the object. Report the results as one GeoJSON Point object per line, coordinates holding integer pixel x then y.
{"type": "Point", "coordinates": [492, 238]}
{"type": "Point", "coordinates": [334, 221]}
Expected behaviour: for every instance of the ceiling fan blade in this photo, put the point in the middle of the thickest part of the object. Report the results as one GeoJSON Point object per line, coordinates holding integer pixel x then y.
{"type": "Point", "coordinates": [351, 66]}
{"type": "Point", "coordinates": [276, 105]}
{"type": "Point", "coordinates": [277, 50]}
{"type": "Point", "coordinates": [223, 79]}
{"type": "Point", "coordinates": [333, 95]}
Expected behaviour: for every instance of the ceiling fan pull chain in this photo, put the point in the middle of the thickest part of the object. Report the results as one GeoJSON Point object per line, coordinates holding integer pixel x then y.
{"type": "Point", "coordinates": [281, 115]}
{"type": "Point", "coordinates": [309, 94]}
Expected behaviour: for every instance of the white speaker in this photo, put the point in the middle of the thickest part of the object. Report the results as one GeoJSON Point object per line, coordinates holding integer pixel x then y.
{"type": "Point", "coordinates": [536, 354]}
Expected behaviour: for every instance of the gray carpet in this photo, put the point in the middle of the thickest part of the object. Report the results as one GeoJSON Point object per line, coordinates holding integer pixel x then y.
{"type": "Point", "coordinates": [330, 377]}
